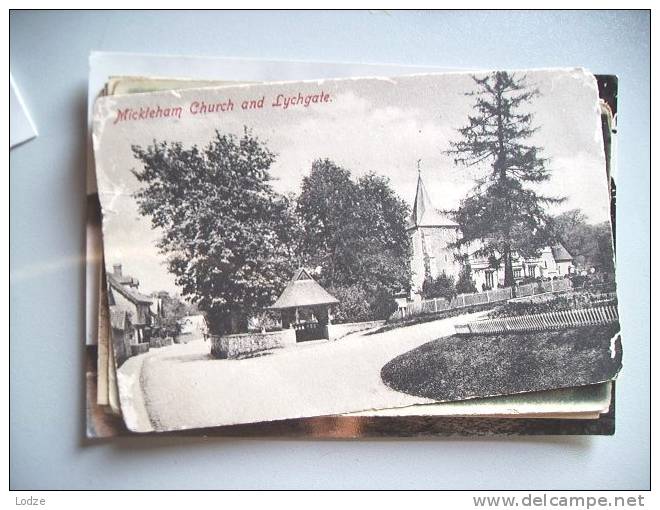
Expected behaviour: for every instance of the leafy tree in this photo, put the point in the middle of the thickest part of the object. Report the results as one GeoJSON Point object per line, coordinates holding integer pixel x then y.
{"type": "Point", "coordinates": [227, 235]}
{"type": "Point", "coordinates": [590, 245]}
{"type": "Point", "coordinates": [502, 215]}
{"type": "Point", "coordinates": [381, 237]}
{"type": "Point", "coordinates": [327, 208]}
{"type": "Point", "coordinates": [355, 232]}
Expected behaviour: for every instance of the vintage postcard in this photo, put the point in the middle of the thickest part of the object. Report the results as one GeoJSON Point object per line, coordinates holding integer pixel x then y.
{"type": "Point", "coordinates": [349, 245]}
{"type": "Point", "coordinates": [574, 403]}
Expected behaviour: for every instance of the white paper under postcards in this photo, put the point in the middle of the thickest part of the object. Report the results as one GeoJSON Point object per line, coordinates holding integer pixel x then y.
{"type": "Point", "coordinates": [103, 65]}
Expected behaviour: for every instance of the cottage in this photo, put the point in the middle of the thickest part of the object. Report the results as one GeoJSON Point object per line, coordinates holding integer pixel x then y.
{"type": "Point", "coordinates": [552, 262]}
{"type": "Point", "coordinates": [305, 307]}
{"type": "Point", "coordinates": [123, 296]}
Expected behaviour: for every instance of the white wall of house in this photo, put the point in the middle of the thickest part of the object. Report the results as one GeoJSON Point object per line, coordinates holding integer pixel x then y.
{"type": "Point", "coordinates": [565, 267]}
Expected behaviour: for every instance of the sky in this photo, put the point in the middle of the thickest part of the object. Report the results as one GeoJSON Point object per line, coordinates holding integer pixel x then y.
{"type": "Point", "coordinates": [381, 125]}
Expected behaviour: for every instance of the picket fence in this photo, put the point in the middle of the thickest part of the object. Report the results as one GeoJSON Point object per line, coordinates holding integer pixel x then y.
{"type": "Point", "coordinates": [429, 306]}
{"type": "Point", "coordinates": [542, 321]}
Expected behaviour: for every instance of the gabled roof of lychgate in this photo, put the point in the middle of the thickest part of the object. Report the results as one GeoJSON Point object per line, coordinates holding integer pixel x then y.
{"type": "Point", "coordinates": [424, 214]}
{"type": "Point", "coordinates": [303, 291]}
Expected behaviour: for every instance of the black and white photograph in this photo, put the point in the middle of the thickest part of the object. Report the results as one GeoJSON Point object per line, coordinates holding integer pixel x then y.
{"type": "Point", "coordinates": [300, 249]}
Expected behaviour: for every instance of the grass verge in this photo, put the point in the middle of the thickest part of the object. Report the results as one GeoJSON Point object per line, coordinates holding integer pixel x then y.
{"type": "Point", "coordinates": [460, 367]}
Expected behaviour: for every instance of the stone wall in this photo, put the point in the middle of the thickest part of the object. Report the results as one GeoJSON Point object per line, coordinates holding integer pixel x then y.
{"type": "Point", "coordinates": [156, 342]}
{"type": "Point", "coordinates": [245, 344]}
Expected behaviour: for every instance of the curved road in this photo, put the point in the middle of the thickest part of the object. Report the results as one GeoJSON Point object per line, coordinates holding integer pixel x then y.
{"type": "Point", "coordinates": [182, 386]}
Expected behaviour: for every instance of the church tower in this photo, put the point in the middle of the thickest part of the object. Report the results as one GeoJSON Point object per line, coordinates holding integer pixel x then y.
{"type": "Point", "coordinates": [431, 232]}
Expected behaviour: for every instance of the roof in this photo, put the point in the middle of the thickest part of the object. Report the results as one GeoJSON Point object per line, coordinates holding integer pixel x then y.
{"type": "Point", "coordinates": [302, 291]}
{"type": "Point", "coordinates": [560, 254]}
{"type": "Point", "coordinates": [424, 214]}
{"type": "Point", "coordinates": [127, 280]}
{"type": "Point", "coordinates": [130, 294]}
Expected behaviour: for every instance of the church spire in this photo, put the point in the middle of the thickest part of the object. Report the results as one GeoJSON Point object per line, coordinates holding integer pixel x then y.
{"type": "Point", "coordinates": [423, 212]}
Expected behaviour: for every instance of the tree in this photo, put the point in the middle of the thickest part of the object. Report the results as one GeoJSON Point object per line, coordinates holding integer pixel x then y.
{"type": "Point", "coordinates": [170, 311]}
{"type": "Point", "coordinates": [577, 236]}
{"type": "Point", "coordinates": [227, 234]}
{"type": "Point", "coordinates": [502, 215]}
{"type": "Point", "coordinates": [355, 232]}
{"type": "Point", "coordinates": [327, 208]}
{"type": "Point", "coordinates": [381, 237]}
{"type": "Point", "coordinates": [590, 245]}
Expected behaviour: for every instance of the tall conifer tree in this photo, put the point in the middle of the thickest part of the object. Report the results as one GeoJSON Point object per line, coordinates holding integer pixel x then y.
{"type": "Point", "coordinates": [503, 215]}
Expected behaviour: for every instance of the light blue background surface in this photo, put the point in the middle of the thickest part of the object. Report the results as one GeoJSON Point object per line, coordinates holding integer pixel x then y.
{"type": "Point", "coordinates": [49, 54]}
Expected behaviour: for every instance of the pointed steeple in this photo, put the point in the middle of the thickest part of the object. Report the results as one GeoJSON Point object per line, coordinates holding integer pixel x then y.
{"type": "Point", "coordinates": [423, 213]}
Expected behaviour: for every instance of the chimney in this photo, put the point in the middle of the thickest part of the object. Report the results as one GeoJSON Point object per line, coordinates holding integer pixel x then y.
{"type": "Point", "coordinates": [116, 270]}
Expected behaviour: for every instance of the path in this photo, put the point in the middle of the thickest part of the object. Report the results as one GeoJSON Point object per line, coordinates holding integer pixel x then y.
{"type": "Point", "coordinates": [184, 387]}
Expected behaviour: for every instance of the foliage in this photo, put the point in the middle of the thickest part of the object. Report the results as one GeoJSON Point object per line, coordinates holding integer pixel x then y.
{"type": "Point", "coordinates": [465, 284]}
{"type": "Point", "coordinates": [590, 245]}
{"type": "Point", "coordinates": [171, 310]}
{"type": "Point", "coordinates": [353, 304]}
{"type": "Point", "coordinates": [227, 234]}
{"type": "Point", "coordinates": [501, 213]}
{"type": "Point", "coordinates": [381, 303]}
{"type": "Point", "coordinates": [265, 320]}
{"type": "Point", "coordinates": [358, 304]}
{"type": "Point", "coordinates": [354, 232]}
{"type": "Point", "coordinates": [442, 286]}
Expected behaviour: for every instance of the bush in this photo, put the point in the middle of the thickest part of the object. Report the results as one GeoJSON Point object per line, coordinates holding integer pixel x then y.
{"type": "Point", "coordinates": [381, 303]}
{"type": "Point", "coordinates": [358, 304]}
{"type": "Point", "coordinates": [353, 304]}
{"type": "Point", "coordinates": [265, 320]}
{"type": "Point", "coordinates": [465, 284]}
{"type": "Point", "coordinates": [441, 287]}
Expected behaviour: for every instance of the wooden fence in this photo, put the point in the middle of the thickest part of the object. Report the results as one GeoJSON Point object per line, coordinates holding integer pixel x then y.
{"type": "Point", "coordinates": [532, 289]}
{"type": "Point", "coordinates": [542, 321]}
{"type": "Point", "coordinates": [480, 298]}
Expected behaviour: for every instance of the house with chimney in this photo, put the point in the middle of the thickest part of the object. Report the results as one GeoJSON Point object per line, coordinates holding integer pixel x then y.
{"type": "Point", "coordinates": [131, 314]}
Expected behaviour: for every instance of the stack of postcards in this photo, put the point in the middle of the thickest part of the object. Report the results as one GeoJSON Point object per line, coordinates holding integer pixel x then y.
{"type": "Point", "coordinates": [330, 250]}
